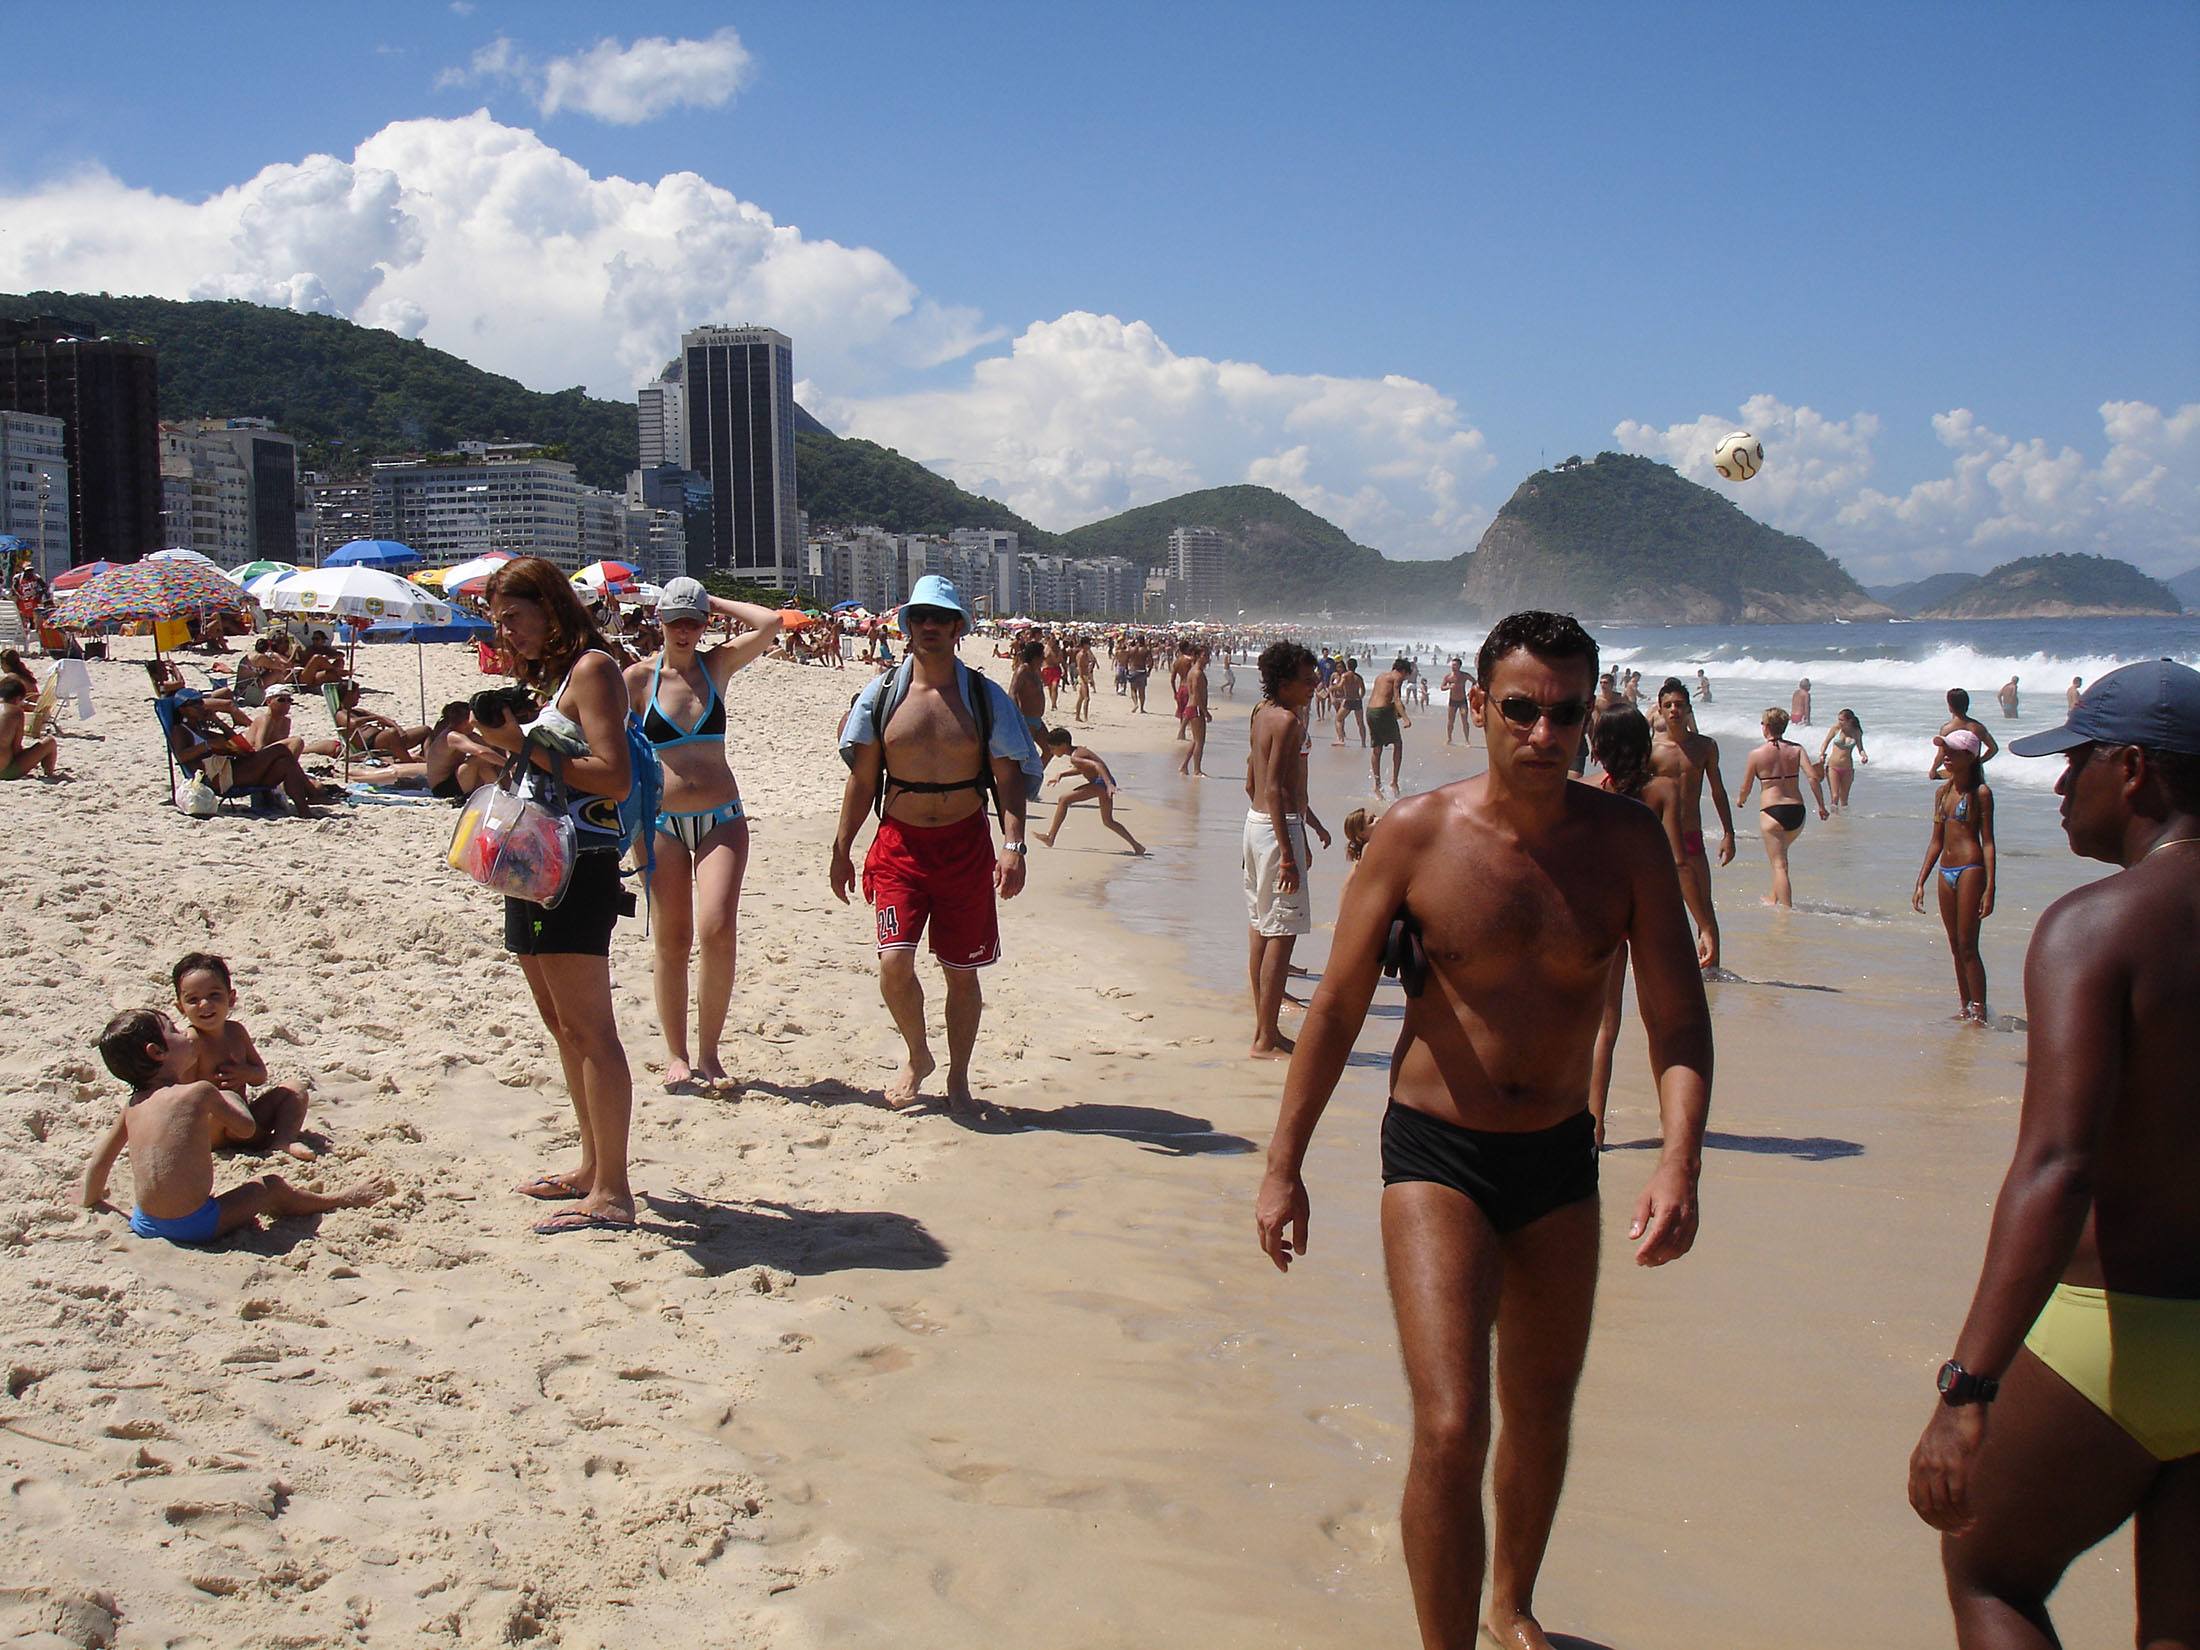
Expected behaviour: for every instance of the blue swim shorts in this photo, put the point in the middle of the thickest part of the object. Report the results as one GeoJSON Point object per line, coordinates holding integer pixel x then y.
{"type": "Point", "coordinates": [201, 1225]}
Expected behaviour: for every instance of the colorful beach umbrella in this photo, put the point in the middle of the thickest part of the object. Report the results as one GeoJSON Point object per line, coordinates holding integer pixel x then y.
{"type": "Point", "coordinates": [149, 591]}
{"type": "Point", "coordinates": [386, 554]}
{"type": "Point", "coordinates": [76, 576]}
{"type": "Point", "coordinates": [253, 569]}
{"type": "Point", "coordinates": [597, 574]}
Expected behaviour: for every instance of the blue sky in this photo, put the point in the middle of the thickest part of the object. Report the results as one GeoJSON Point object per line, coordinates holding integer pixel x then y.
{"type": "Point", "coordinates": [1923, 249]}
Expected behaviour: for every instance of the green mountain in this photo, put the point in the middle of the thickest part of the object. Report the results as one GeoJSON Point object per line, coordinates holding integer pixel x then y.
{"type": "Point", "coordinates": [1627, 538]}
{"type": "Point", "coordinates": [353, 394]}
{"type": "Point", "coordinates": [1283, 559]}
{"type": "Point", "coordinates": [2186, 588]}
{"type": "Point", "coordinates": [2060, 587]}
{"type": "Point", "coordinates": [1919, 594]}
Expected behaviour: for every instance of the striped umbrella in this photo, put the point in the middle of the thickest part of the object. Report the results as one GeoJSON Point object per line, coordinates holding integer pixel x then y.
{"type": "Point", "coordinates": [148, 591]}
{"type": "Point", "coordinates": [82, 574]}
{"type": "Point", "coordinates": [597, 574]}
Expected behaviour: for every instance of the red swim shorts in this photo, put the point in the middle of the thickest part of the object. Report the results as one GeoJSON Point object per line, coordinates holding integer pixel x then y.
{"type": "Point", "coordinates": [937, 873]}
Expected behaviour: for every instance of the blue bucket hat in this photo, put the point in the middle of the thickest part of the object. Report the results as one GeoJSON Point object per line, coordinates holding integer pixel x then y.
{"type": "Point", "coordinates": [2155, 704]}
{"type": "Point", "coordinates": [934, 591]}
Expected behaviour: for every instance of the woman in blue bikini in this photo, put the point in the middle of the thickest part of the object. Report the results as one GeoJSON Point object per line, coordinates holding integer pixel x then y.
{"type": "Point", "coordinates": [1963, 844]}
{"type": "Point", "coordinates": [702, 833]}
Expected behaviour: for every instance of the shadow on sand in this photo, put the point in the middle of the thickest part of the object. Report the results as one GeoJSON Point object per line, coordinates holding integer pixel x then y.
{"type": "Point", "coordinates": [725, 1237]}
{"type": "Point", "coordinates": [1811, 1148]}
{"type": "Point", "coordinates": [1171, 1133]}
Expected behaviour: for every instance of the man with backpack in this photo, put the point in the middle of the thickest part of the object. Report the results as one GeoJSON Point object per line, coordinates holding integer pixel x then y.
{"type": "Point", "coordinates": [928, 744]}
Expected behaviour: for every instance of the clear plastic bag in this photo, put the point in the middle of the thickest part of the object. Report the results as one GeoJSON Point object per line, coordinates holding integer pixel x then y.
{"type": "Point", "coordinates": [514, 845]}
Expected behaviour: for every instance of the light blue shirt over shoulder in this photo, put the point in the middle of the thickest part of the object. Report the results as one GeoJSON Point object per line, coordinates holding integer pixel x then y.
{"type": "Point", "coordinates": [1011, 740]}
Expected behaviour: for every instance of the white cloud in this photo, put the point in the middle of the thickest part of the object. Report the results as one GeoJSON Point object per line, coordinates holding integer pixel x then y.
{"type": "Point", "coordinates": [1089, 415]}
{"type": "Point", "coordinates": [2001, 497]}
{"type": "Point", "coordinates": [485, 241]}
{"type": "Point", "coordinates": [621, 84]}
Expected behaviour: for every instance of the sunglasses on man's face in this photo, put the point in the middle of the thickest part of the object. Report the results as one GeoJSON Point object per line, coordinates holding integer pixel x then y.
{"type": "Point", "coordinates": [1524, 712]}
{"type": "Point", "coordinates": [931, 615]}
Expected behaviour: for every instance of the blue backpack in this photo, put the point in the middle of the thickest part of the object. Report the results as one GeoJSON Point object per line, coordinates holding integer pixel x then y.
{"type": "Point", "coordinates": [638, 812]}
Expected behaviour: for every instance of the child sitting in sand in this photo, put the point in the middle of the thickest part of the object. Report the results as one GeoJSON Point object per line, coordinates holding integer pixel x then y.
{"type": "Point", "coordinates": [223, 1054]}
{"type": "Point", "coordinates": [171, 1125]}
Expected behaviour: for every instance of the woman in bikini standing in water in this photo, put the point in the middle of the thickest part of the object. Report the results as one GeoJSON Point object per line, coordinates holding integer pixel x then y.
{"type": "Point", "coordinates": [1781, 766]}
{"type": "Point", "coordinates": [1963, 843]}
{"type": "Point", "coordinates": [702, 833]}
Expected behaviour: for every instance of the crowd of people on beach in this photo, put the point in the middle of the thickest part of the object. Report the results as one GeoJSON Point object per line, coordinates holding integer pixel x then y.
{"type": "Point", "coordinates": [1509, 907]}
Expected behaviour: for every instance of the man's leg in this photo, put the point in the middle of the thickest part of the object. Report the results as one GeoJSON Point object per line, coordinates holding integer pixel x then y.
{"type": "Point", "coordinates": [897, 983]}
{"type": "Point", "coordinates": [2169, 1581]}
{"type": "Point", "coordinates": [1696, 895]}
{"type": "Point", "coordinates": [2054, 1476]}
{"type": "Point", "coordinates": [1548, 1290]}
{"type": "Point", "coordinates": [1269, 1042]}
{"type": "Point", "coordinates": [1443, 1262]}
{"type": "Point", "coordinates": [965, 1008]}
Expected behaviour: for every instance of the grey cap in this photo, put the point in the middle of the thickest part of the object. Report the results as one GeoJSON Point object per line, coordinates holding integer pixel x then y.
{"type": "Point", "coordinates": [684, 599]}
{"type": "Point", "coordinates": [2155, 704]}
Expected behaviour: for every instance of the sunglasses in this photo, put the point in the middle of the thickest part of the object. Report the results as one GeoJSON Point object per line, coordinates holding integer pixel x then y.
{"type": "Point", "coordinates": [930, 615]}
{"type": "Point", "coordinates": [1524, 712]}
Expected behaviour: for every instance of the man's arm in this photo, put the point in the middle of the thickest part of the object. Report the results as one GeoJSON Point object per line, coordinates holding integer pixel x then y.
{"type": "Point", "coordinates": [1008, 780]}
{"type": "Point", "coordinates": [1371, 899]}
{"type": "Point", "coordinates": [1717, 787]}
{"type": "Point", "coordinates": [2076, 988]}
{"type": "Point", "coordinates": [1677, 1021]}
{"type": "Point", "coordinates": [1276, 768]}
{"type": "Point", "coordinates": [1987, 739]}
{"type": "Point", "coordinates": [856, 797]}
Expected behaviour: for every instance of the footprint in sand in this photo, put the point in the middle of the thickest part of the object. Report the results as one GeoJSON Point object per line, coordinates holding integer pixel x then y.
{"type": "Point", "coordinates": [867, 1365]}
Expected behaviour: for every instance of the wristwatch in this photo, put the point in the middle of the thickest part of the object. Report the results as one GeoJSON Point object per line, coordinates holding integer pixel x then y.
{"type": "Point", "coordinates": [1023, 848]}
{"type": "Point", "coordinates": [1958, 1386]}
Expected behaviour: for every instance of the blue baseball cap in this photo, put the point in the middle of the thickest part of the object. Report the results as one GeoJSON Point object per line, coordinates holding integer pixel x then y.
{"type": "Point", "coordinates": [934, 591]}
{"type": "Point", "coordinates": [2156, 704]}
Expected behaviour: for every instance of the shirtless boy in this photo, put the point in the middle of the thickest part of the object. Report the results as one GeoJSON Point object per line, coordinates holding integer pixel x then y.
{"type": "Point", "coordinates": [1959, 716]}
{"type": "Point", "coordinates": [1196, 714]}
{"type": "Point", "coordinates": [2072, 1400]}
{"type": "Point", "coordinates": [227, 1057]}
{"type": "Point", "coordinates": [1278, 907]}
{"type": "Point", "coordinates": [1087, 667]}
{"type": "Point", "coordinates": [171, 1125]}
{"type": "Point", "coordinates": [1456, 682]}
{"type": "Point", "coordinates": [1027, 689]}
{"type": "Point", "coordinates": [1521, 886]}
{"type": "Point", "coordinates": [1094, 783]}
{"type": "Point", "coordinates": [1680, 752]}
{"type": "Point", "coordinates": [1351, 694]}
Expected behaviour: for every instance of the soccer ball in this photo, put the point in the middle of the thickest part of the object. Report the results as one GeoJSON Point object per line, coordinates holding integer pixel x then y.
{"type": "Point", "coordinates": [1739, 456]}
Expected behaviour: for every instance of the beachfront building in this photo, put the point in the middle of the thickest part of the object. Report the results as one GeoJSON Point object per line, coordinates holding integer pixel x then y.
{"type": "Point", "coordinates": [229, 489]}
{"type": "Point", "coordinates": [738, 395]}
{"type": "Point", "coordinates": [1108, 587]}
{"type": "Point", "coordinates": [337, 512]}
{"type": "Point", "coordinates": [1199, 562]}
{"type": "Point", "coordinates": [661, 416]}
{"type": "Point", "coordinates": [34, 487]}
{"type": "Point", "coordinates": [106, 393]}
{"type": "Point", "coordinates": [487, 496]}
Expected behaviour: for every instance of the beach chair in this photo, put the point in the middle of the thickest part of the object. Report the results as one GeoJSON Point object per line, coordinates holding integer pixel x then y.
{"type": "Point", "coordinates": [252, 796]}
{"type": "Point", "coordinates": [42, 710]}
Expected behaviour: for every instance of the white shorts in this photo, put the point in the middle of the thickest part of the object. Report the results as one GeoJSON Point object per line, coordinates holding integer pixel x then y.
{"type": "Point", "coordinates": [1269, 912]}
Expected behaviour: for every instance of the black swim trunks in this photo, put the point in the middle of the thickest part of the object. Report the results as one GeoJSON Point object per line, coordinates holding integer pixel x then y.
{"type": "Point", "coordinates": [1513, 1178]}
{"type": "Point", "coordinates": [581, 923]}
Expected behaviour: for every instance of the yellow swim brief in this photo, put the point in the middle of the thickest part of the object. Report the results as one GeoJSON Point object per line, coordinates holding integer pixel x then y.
{"type": "Point", "coordinates": [2135, 1358]}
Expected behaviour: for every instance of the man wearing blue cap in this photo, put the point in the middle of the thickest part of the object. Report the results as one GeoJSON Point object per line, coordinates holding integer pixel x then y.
{"type": "Point", "coordinates": [926, 745]}
{"type": "Point", "coordinates": [2083, 1339]}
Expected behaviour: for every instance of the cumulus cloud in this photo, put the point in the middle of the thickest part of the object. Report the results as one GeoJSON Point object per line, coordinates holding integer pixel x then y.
{"type": "Point", "coordinates": [620, 84]}
{"type": "Point", "coordinates": [1089, 414]}
{"type": "Point", "coordinates": [485, 241]}
{"type": "Point", "coordinates": [2001, 497]}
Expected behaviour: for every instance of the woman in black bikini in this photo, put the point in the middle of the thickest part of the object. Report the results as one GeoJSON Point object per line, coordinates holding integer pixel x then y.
{"type": "Point", "coordinates": [1781, 766]}
{"type": "Point", "coordinates": [1963, 845]}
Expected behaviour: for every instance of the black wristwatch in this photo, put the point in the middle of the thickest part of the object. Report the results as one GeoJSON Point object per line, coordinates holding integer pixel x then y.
{"type": "Point", "coordinates": [1958, 1386]}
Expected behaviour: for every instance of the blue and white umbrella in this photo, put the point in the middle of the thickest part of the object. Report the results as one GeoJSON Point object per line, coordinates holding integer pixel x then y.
{"type": "Point", "coordinates": [386, 554]}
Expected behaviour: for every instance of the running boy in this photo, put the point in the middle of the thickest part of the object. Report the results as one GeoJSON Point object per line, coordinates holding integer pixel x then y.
{"type": "Point", "coordinates": [1094, 783]}
{"type": "Point", "coordinates": [171, 1125]}
{"type": "Point", "coordinates": [227, 1058]}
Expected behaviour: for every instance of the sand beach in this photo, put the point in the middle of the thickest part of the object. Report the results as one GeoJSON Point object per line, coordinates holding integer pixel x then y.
{"type": "Point", "coordinates": [867, 1377]}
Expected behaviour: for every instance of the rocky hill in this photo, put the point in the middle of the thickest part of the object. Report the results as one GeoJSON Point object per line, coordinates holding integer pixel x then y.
{"type": "Point", "coordinates": [2186, 588]}
{"type": "Point", "coordinates": [2060, 587]}
{"type": "Point", "coordinates": [1629, 539]}
{"type": "Point", "coordinates": [1919, 594]}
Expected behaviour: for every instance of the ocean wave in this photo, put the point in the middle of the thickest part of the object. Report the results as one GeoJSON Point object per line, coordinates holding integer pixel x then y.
{"type": "Point", "coordinates": [1946, 666]}
{"type": "Point", "coordinates": [1901, 757]}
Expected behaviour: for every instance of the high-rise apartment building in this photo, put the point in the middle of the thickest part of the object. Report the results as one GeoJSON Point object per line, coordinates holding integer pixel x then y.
{"type": "Point", "coordinates": [738, 388]}
{"type": "Point", "coordinates": [488, 499]}
{"type": "Point", "coordinates": [34, 487]}
{"type": "Point", "coordinates": [339, 512]}
{"type": "Point", "coordinates": [661, 416]}
{"type": "Point", "coordinates": [106, 394]}
{"type": "Point", "coordinates": [1199, 562]}
{"type": "Point", "coordinates": [229, 489]}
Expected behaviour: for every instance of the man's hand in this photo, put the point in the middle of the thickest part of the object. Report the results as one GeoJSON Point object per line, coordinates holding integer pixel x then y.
{"type": "Point", "coordinates": [1665, 1218]}
{"type": "Point", "coordinates": [1318, 831]}
{"type": "Point", "coordinates": [1287, 877]}
{"type": "Point", "coordinates": [1008, 874]}
{"type": "Point", "coordinates": [1282, 1204]}
{"type": "Point", "coordinates": [843, 872]}
{"type": "Point", "coordinates": [1941, 1466]}
{"type": "Point", "coordinates": [1726, 848]}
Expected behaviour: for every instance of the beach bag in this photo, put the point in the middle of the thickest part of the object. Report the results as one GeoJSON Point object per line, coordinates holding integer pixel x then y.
{"type": "Point", "coordinates": [197, 798]}
{"type": "Point", "coordinates": [513, 844]}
